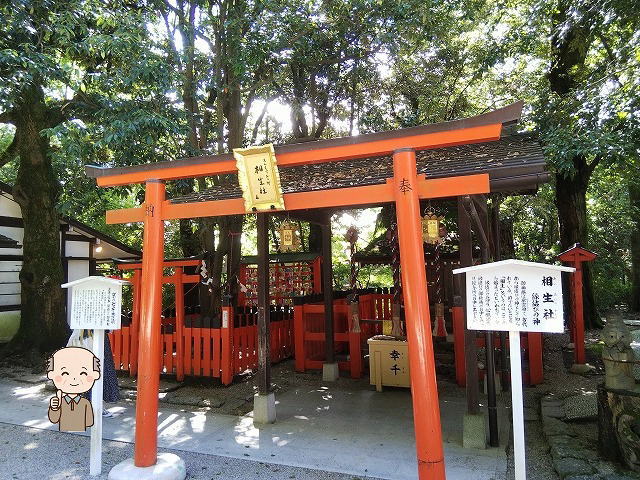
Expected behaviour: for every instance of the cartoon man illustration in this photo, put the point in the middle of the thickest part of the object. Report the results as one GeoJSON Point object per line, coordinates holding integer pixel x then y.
{"type": "Point", "coordinates": [73, 370]}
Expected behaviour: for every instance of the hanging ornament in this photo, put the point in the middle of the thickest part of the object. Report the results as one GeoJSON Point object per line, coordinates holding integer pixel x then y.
{"type": "Point", "coordinates": [289, 237]}
{"type": "Point", "coordinates": [433, 230]}
{"type": "Point", "coordinates": [352, 235]}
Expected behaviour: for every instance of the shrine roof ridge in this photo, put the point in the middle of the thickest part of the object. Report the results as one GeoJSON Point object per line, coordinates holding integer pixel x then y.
{"type": "Point", "coordinates": [511, 261]}
{"type": "Point", "coordinates": [506, 116]}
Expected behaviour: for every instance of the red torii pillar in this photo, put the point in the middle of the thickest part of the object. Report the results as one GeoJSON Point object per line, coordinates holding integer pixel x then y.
{"type": "Point", "coordinates": [575, 256]}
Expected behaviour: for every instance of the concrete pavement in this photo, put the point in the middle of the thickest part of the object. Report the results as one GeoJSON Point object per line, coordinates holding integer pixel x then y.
{"type": "Point", "coordinates": [326, 428]}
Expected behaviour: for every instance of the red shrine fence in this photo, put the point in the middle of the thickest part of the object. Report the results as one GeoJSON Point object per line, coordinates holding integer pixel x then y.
{"type": "Point", "coordinates": [222, 348]}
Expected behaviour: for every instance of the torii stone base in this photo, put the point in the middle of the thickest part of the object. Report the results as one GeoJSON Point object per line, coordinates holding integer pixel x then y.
{"type": "Point", "coordinates": [168, 467]}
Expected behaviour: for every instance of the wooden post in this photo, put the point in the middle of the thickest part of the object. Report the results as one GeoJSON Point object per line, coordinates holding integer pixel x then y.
{"type": "Point", "coordinates": [355, 353]}
{"type": "Point", "coordinates": [135, 322]}
{"type": "Point", "coordinates": [327, 287]}
{"type": "Point", "coordinates": [95, 454]}
{"type": "Point", "coordinates": [228, 318]}
{"type": "Point", "coordinates": [471, 350]}
{"type": "Point", "coordinates": [264, 336]}
{"type": "Point", "coordinates": [424, 389]}
{"type": "Point", "coordinates": [575, 256]}
{"type": "Point", "coordinates": [298, 333]}
{"type": "Point", "coordinates": [146, 433]}
{"type": "Point", "coordinates": [457, 312]}
{"type": "Point", "coordinates": [179, 293]}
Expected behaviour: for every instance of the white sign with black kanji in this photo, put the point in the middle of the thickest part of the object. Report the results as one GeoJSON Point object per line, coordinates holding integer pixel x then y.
{"type": "Point", "coordinates": [513, 295]}
{"type": "Point", "coordinates": [96, 303]}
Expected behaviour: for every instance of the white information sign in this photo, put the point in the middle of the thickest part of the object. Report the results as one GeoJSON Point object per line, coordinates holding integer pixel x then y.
{"type": "Point", "coordinates": [515, 296]}
{"type": "Point", "coordinates": [96, 304]}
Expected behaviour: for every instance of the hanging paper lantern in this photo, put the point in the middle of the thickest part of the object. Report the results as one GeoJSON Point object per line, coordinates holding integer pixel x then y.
{"type": "Point", "coordinates": [433, 231]}
{"type": "Point", "coordinates": [289, 237]}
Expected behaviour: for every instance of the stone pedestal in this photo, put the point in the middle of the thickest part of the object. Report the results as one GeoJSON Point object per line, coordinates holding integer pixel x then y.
{"type": "Point", "coordinates": [330, 372]}
{"type": "Point", "coordinates": [168, 467]}
{"type": "Point", "coordinates": [619, 426]}
{"type": "Point", "coordinates": [474, 431]}
{"type": "Point", "coordinates": [264, 408]}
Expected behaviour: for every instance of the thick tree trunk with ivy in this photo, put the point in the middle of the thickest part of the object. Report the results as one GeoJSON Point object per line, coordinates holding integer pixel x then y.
{"type": "Point", "coordinates": [569, 46]}
{"type": "Point", "coordinates": [571, 201]}
{"type": "Point", "coordinates": [43, 326]}
{"type": "Point", "coordinates": [634, 199]}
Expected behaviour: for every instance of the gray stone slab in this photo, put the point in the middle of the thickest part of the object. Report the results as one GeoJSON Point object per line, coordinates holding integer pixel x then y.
{"type": "Point", "coordinates": [572, 467]}
{"type": "Point", "coordinates": [584, 477]}
{"type": "Point", "coordinates": [580, 407]}
{"type": "Point", "coordinates": [553, 411]}
{"type": "Point", "coordinates": [553, 426]}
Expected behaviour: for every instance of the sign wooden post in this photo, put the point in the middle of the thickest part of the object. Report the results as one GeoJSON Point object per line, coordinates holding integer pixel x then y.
{"type": "Point", "coordinates": [515, 296]}
{"type": "Point", "coordinates": [96, 304]}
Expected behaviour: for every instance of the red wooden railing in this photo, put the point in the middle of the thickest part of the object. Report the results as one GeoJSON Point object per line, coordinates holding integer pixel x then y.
{"type": "Point", "coordinates": [191, 348]}
{"type": "Point", "coordinates": [530, 342]}
{"type": "Point", "coordinates": [310, 338]}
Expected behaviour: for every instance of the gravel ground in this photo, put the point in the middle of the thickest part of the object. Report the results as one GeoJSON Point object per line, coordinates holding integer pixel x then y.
{"type": "Point", "coordinates": [30, 453]}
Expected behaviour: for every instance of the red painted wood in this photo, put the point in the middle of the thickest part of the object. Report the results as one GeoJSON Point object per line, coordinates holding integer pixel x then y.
{"type": "Point", "coordinates": [534, 353]}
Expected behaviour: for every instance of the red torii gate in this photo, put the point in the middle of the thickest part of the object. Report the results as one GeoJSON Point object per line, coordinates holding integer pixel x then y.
{"type": "Point", "coordinates": [405, 189]}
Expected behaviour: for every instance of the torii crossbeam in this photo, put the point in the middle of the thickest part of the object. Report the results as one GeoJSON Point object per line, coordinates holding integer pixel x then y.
{"type": "Point", "coordinates": [405, 189]}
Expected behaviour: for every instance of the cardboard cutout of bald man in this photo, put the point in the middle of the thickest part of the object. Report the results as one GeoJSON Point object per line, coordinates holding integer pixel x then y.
{"type": "Point", "coordinates": [73, 371]}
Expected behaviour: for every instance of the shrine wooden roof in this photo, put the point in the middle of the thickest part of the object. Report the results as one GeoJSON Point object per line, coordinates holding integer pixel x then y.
{"type": "Point", "coordinates": [514, 163]}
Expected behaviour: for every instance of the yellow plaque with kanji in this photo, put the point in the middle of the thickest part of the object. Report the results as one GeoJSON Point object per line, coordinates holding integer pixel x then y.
{"type": "Point", "coordinates": [259, 178]}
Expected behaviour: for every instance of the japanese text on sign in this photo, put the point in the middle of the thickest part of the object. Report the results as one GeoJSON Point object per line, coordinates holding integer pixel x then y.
{"type": "Point", "coordinates": [259, 178]}
{"type": "Point", "coordinates": [515, 297]}
{"type": "Point", "coordinates": [96, 307]}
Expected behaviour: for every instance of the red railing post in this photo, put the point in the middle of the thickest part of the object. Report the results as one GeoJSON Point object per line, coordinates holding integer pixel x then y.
{"type": "Point", "coordinates": [298, 334]}
{"type": "Point", "coordinates": [534, 347]}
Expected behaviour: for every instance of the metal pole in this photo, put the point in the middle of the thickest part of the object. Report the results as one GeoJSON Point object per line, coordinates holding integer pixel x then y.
{"type": "Point", "coordinates": [149, 351]}
{"type": "Point", "coordinates": [424, 389]}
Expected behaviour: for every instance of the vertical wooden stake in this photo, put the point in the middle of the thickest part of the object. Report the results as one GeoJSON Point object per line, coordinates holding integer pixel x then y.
{"type": "Point", "coordinates": [264, 336]}
{"type": "Point", "coordinates": [95, 456]}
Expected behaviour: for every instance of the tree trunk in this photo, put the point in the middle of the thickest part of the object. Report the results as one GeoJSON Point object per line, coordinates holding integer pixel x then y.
{"type": "Point", "coordinates": [634, 199]}
{"type": "Point", "coordinates": [43, 325]}
{"type": "Point", "coordinates": [571, 201]}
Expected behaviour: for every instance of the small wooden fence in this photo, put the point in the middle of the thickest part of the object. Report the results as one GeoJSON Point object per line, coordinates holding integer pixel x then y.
{"type": "Point", "coordinates": [530, 342]}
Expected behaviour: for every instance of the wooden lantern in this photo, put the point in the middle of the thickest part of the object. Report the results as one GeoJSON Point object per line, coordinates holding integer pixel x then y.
{"type": "Point", "coordinates": [289, 237]}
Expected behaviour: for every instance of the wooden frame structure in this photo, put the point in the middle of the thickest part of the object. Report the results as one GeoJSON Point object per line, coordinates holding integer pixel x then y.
{"type": "Point", "coordinates": [405, 188]}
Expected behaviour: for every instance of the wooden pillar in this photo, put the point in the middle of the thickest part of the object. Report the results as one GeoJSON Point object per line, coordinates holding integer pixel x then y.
{"type": "Point", "coordinates": [471, 350]}
{"type": "Point", "coordinates": [146, 434]}
{"type": "Point", "coordinates": [179, 296]}
{"type": "Point", "coordinates": [424, 390]}
{"type": "Point", "coordinates": [327, 290]}
{"type": "Point", "coordinates": [264, 337]}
